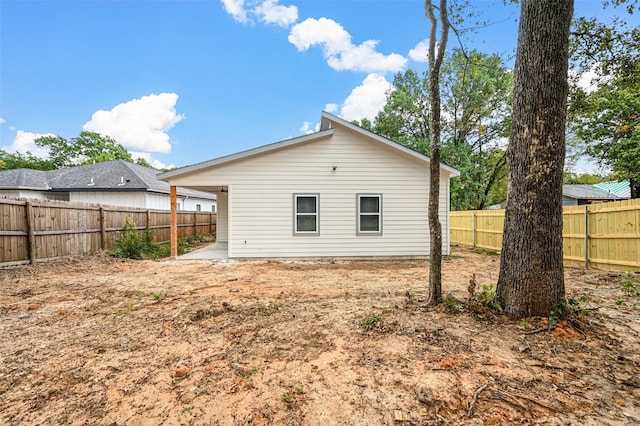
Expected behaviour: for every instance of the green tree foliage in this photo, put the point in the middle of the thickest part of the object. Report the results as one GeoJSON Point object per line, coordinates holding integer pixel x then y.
{"type": "Point", "coordinates": [87, 148]}
{"type": "Point", "coordinates": [9, 161]}
{"type": "Point", "coordinates": [605, 119]}
{"type": "Point", "coordinates": [606, 47]}
{"type": "Point", "coordinates": [581, 178]}
{"type": "Point", "coordinates": [476, 105]}
{"type": "Point", "coordinates": [142, 162]}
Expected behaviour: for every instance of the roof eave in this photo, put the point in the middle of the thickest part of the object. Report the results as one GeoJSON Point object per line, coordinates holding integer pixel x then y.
{"type": "Point", "coordinates": [23, 188]}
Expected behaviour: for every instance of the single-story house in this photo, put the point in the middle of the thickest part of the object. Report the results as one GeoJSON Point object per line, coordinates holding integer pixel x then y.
{"type": "Point", "coordinates": [578, 195]}
{"type": "Point", "coordinates": [115, 183]}
{"type": "Point", "coordinates": [342, 191]}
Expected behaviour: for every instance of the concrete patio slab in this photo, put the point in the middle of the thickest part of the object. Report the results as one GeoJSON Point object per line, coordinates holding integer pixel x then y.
{"type": "Point", "coordinates": [214, 251]}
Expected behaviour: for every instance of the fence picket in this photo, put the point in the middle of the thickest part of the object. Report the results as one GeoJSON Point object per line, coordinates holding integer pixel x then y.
{"type": "Point", "coordinates": [32, 230]}
{"type": "Point", "coordinates": [605, 236]}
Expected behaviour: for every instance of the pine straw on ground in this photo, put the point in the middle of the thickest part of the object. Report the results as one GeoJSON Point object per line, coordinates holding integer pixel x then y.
{"type": "Point", "coordinates": [97, 340]}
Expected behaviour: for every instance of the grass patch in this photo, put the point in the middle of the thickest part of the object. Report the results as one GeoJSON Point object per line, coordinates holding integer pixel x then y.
{"type": "Point", "coordinates": [630, 285]}
{"type": "Point", "coordinates": [375, 321]}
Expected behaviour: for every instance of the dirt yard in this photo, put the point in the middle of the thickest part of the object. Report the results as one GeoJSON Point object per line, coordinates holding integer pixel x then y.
{"type": "Point", "coordinates": [103, 341]}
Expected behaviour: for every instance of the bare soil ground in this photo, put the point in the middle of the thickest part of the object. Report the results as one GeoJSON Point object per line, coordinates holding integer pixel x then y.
{"type": "Point", "coordinates": [103, 341]}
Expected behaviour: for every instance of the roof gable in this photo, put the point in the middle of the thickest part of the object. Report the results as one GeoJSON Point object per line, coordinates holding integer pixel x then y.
{"type": "Point", "coordinates": [326, 129]}
{"type": "Point", "coordinates": [328, 120]}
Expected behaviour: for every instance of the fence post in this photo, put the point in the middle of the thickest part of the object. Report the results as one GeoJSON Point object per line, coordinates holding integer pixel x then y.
{"type": "Point", "coordinates": [586, 236]}
{"type": "Point", "coordinates": [174, 221]}
{"type": "Point", "coordinates": [473, 227]}
{"type": "Point", "coordinates": [31, 237]}
{"type": "Point", "coordinates": [103, 230]}
{"type": "Point", "coordinates": [195, 223]}
{"type": "Point", "coordinates": [148, 219]}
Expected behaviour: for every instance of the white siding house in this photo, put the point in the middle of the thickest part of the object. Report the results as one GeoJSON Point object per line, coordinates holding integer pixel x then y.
{"type": "Point", "coordinates": [115, 183]}
{"type": "Point", "coordinates": [342, 191]}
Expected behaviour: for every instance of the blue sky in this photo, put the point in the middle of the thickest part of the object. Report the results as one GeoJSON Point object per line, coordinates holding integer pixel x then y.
{"type": "Point", "coordinates": [180, 82]}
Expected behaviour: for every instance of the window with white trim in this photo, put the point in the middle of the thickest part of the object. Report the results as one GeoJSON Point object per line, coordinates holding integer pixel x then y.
{"type": "Point", "coordinates": [306, 214]}
{"type": "Point", "coordinates": [369, 214]}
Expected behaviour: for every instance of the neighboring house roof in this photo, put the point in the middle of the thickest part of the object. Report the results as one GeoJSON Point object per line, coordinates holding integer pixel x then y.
{"type": "Point", "coordinates": [24, 179]}
{"type": "Point", "coordinates": [111, 176]}
{"type": "Point", "coordinates": [587, 192]}
{"type": "Point", "coordinates": [325, 131]}
{"type": "Point", "coordinates": [621, 189]}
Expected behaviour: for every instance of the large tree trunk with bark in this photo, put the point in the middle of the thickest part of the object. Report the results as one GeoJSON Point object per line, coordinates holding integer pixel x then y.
{"type": "Point", "coordinates": [435, 227]}
{"type": "Point", "coordinates": [531, 280]}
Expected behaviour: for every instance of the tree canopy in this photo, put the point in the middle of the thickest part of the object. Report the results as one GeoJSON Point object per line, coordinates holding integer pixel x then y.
{"type": "Point", "coordinates": [605, 118]}
{"type": "Point", "coordinates": [476, 106]}
{"type": "Point", "coordinates": [608, 122]}
{"type": "Point", "coordinates": [9, 161]}
{"type": "Point", "coordinates": [87, 148]}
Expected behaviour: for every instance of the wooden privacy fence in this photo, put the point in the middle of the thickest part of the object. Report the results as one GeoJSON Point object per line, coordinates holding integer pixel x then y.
{"type": "Point", "coordinates": [32, 230]}
{"type": "Point", "coordinates": [604, 236]}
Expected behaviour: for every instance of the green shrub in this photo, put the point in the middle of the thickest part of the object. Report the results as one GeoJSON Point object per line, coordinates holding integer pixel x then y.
{"type": "Point", "coordinates": [452, 304]}
{"type": "Point", "coordinates": [131, 245]}
{"type": "Point", "coordinates": [488, 297]}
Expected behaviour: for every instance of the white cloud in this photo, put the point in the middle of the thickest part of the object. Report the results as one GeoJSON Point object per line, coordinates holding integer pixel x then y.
{"type": "Point", "coordinates": [267, 11]}
{"type": "Point", "coordinates": [236, 9]}
{"type": "Point", "coordinates": [340, 52]}
{"type": "Point", "coordinates": [23, 143]}
{"type": "Point", "coordinates": [2, 120]}
{"type": "Point", "coordinates": [307, 127]}
{"type": "Point", "coordinates": [271, 12]}
{"type": "Point", "coordinates": [420, 53]}
{"type": "Point", "coordinates": [591, 80]}
{"type": "Point", "coordinates": [140, 124]}
{"type": "Point", "coordinates": [331, 108]}
{"type": "Point", "coordinates": [366, 100]}
{"type": "Point", "coordinates": [156, 164]}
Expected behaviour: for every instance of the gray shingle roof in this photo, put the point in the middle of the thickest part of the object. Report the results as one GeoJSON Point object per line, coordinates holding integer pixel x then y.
{"type": "Point", "coordinates": [24, 179]}
{"type": "Point", "coordinates": [117, 175]}
{"type": "Point", "coordinates": [587, 192]}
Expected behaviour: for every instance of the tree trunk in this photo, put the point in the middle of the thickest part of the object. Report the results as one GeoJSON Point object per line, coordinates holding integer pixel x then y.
{"type": "Point", "coordinates": [634, 186]}
{"type": "Point", "coordinates": [531, 280]}
{"type": "Point", "coordinates": [435, 227]}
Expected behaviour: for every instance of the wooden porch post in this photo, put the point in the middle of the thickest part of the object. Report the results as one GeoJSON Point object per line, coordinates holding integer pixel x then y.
{"type": "Point", "coordinates": [174, 222]}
